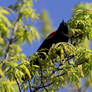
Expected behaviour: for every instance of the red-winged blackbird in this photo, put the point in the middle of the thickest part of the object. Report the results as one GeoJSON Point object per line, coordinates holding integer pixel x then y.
{"type": "Point", "coordinates": [60, 35]}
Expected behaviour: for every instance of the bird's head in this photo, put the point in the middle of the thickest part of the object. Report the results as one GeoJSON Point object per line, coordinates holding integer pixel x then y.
{"type": "Point", "coordinates": [63, 28]}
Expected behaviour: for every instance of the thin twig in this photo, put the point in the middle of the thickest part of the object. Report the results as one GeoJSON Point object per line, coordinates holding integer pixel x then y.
{"type": "Point", "coordinates": [13, 36]}
{"type": "Point", "coordinates": [30, 88]}
{"type": "Point", "coordinates": [42, 79]}
{"type": "Point", "coordinates": [17, 84]}
{"type": "Point", "coordinates": [39, 87]}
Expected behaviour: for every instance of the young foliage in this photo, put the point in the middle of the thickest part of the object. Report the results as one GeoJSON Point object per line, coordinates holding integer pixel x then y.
{"type": "Point", "coordinates": [81, 23]}
{"type": "Point", "coordinates": [65, 63]}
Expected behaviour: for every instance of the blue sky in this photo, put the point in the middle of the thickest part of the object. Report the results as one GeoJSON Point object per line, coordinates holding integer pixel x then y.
{"type": "Point", "coordinates": [57, 9]}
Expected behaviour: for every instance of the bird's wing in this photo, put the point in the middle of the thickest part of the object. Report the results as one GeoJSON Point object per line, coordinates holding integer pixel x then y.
{"type": "Point", "coordinates": [51, 35]}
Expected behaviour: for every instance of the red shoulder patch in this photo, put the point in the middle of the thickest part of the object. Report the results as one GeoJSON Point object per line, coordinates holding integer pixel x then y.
{"type": "Point", "coordinates": [51, 35]}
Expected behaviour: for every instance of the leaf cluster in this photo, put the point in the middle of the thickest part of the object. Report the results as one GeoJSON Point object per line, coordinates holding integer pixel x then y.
{"type": "Point", "coordinates": [81, 23]}
{"type": "Point", "coordinates": [64, 64]}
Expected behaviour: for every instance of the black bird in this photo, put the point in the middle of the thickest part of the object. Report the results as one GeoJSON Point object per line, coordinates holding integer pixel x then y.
{"type": "Point", "coordinates": [60, 35]}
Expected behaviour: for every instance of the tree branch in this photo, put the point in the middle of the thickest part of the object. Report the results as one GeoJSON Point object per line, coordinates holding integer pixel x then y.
{"type": "Point", "coordinates": [17, 84]}
{"type": "Point", "coordinates": [14, 30]}
{"type": "Point", "coordinates": [39, 87]}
